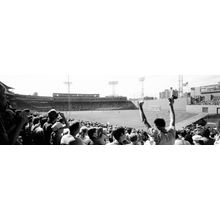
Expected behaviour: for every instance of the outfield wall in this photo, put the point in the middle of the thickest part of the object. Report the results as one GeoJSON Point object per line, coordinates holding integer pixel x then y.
{"type": "Point", "coordinates": [162, 104]}
{"type": "Point", "coordinates": [210, 109]}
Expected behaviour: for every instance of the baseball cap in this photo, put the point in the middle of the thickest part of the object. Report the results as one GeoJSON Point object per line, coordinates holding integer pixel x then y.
{"type": "Point", "coordinates": [52, 114]}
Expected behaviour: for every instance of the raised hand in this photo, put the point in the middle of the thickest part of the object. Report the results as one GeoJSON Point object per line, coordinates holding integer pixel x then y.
{"type": "Point", "coordinates": [140, 104]}
{"type": "Point", "coordinates": [171, 101]}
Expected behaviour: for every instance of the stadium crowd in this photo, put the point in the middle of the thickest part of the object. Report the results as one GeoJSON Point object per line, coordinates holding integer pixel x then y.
{"type": "Point", "coordinates": [200, 101]}
{"type": "Point", "coordinates": [31, 128]}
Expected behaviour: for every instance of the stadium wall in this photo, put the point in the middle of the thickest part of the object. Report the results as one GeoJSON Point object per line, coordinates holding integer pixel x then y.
{"type": "Point", "coordinates": [162, 104]}
{"type": "Point", "coordinates": [210, 109]}
{"type": "Point", "coordinates": [43, 104]}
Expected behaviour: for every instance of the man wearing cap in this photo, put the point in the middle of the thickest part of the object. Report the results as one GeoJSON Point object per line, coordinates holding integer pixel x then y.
{"type": "Point", "coordinates": [52, 119]}
{"type": "Point", "coordinates": [57, 132]}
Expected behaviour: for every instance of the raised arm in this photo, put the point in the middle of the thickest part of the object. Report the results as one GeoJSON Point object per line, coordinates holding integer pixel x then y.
{"type": "Point", "coordinates": [64, 119]}
{"type": "Point", "coordinates": [142, 115]}
{"type": "Point", "coordinates": [172, 113]}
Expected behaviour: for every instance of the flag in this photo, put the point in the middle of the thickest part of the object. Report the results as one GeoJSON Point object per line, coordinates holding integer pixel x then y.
{"type": "Point", "coordinates": [185, 84]}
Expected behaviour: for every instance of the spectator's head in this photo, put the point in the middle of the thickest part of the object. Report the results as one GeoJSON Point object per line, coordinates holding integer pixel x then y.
{"type": "Point", "coordinates": [160, 123]}
{"type": "Point", "coordinates": [205, 133]}
{"type": "Point", "coordinates": [181, 134]}
{"type": "Point", "coordinates": [119, 134]}
{"type": "Point", "coordinates": [74, 127]}
{"type": "Point", "coordinates": [52, 115]}
{"type": "Point", "coordinates": [36, 120]}
{"type": "Point", "coordinates": [145, 136]}
{"type": "Point", "coordinates": [92, 133]}
{"type": "Point", "coordinates": [134, 138]}
{"type": "Point", "coordinates": [102, 137]}
{"type": "Point", "coordinates": [83, 131]}
{"type": "Point", "coordinates": [129, 130]}
{"type": "Point", "coordinates": [188, 137]}
{"type": "Point", "coordinates": [43, 120]}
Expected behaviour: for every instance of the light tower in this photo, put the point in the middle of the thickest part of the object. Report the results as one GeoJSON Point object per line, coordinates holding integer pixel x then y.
{"type": "Point", "coordinates": [141, 79]}
{"type": "Point", "coordinates": [180, 86]}
{"type": "Point", "coordinates": [68, 83]}
{"type": "Point", "coordinates": [113, 84]}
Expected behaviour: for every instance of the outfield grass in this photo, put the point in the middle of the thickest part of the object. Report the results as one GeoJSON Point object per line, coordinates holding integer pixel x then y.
{"type": "Point", "coordinates": [130, 118]}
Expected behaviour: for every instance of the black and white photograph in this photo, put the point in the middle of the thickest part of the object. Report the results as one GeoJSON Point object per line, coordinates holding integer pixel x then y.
{"type": "Point", "coordinates": [183, 110]}
{"type": "Point", "coordinates": [109, 110]}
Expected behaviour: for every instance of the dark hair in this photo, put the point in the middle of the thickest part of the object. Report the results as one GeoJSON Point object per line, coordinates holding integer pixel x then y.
{"type": "Point", "coordinates": [181, 132]}
{"type": "Point", "coordinates": [74, 126]}
{"type": "Point", "coordinates": [188, 138]}
{"type": "Point", "coordinates": [52, 115]}
{"type": "Point", "coordinates": [118, 132]}
{"type": "Point", "coordinates": [205, 133]}
{"type": "Point", "coordinates": [43, 120]}
{"type": "Point", "coordinates": [160, 122]}
{"type": "Point", "coordinates": [129, 130]}
{"type": "Point", "coordinates": [36, 120]}
{"type": "Point", "coordinates": [133, 137]}
{"type": "Point", "coordinates": [145, 136]}
{"type": "Point", "coordinates": [91, 131]}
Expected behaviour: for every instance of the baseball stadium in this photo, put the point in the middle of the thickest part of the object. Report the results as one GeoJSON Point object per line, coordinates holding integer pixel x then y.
{"type": "Point", "coordinates": [199, 107]}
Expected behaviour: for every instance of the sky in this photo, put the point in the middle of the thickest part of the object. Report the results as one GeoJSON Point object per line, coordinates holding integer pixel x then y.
{"type": "Point", "coordinates": [99, 41]}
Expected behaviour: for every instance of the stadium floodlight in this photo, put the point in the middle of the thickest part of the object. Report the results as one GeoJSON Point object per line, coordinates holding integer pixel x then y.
{"type": "Point", "coordinates": [180, 86]}
{"type": "Point", "coordinates": [142, 79]}
{"type": "Point", "coordinates": [113, 84]}
{"type": "Point", "coordinates": [68, 83]}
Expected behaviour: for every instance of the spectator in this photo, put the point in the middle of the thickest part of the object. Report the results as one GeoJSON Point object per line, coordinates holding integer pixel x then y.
{"type": "Point", "coordinates": [27, 131]}
{"type": "Point", "coordinates": [92, 133]}
{"type": "Point", "coordinates": [52, 118]}
{"type": "Point", "coordinates": [57, 132]}
{"type": "Point", "coordinates": [38, 132]}
{"type": "Point", "coordinates": [198, 140]}
{"type": "Point", "coordinates": [134, 139]}
{"type": "Point", "coordinates": [180, 138]}
{"type": "Point", "coordinates": [205, 133]}
{"type": "Point", "coordinates": [10, 134]}
{"type": "Point", "coordinates": [71, 138]}
{"type": "Point", "coordinates": [160, 135]}
{"type": "Point", "coordinates": [119, 136]}
{"type": "Point", "coordinates": [83, 135]}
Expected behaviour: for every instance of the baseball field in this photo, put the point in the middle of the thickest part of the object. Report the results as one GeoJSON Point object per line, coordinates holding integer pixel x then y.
{"type": "Point", "coordinates": [130, 118]}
